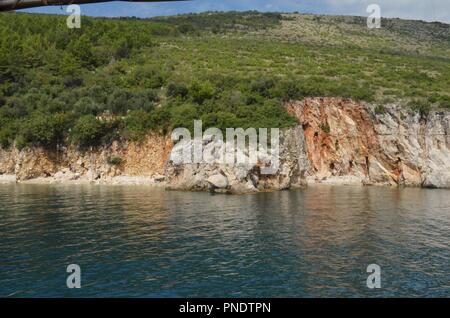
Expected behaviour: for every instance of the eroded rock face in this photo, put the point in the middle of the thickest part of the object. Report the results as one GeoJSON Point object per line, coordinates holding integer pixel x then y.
{"type": "Point", "coordinates": [144, 159]}
{"type": "Point", "coordinates": [338, 141]}
{"type": "Point", "coordinates": [240, 178]}
{"type": "Point", "coordinates": [346, 141]}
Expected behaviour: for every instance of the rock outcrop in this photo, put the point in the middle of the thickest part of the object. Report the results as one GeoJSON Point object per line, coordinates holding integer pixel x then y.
{"type": "Point", "coordinates": [143, 161]}
{"type": "Point", "coordinates": [241, 178]}
{"type": "Point", "coordinates": [337, 141]}
{"type": "Point", "coordinates": [349, 142]}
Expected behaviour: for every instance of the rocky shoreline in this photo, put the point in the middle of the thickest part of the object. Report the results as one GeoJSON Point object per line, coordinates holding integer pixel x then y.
{"type": "Point", "coordinates": [337, 141]}
{"type": "Point", "coordinates": [118, 180]}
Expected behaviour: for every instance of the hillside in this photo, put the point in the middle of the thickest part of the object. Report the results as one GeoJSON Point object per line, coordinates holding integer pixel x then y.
{"type": "Point", "coordinates": [120, 78]}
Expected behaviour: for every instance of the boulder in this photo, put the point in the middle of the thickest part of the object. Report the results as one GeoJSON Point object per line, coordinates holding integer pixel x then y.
{"type": "Point", "coordinates": [218, 181]}
{"type": "Point", "coordinates": [440, 179]}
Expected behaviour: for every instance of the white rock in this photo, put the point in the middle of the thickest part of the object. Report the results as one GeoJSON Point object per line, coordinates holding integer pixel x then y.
{"type": "Point", "coordinates": [219, 181]}
{"type": "Point", "coordinates": [159, 178]}
{"type": "Point", "coordinates": [7, 178]}
{"type": "Point", "coordinates": [439, 179]}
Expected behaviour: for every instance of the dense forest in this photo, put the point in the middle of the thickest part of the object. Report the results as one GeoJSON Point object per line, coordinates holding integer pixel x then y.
{"type": "Point", "coordinates": [121, 78]}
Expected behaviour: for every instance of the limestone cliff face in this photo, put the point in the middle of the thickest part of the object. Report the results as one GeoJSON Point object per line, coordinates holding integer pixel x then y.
{"type": "Point", "coordinates": [143, 159]}
{"type": "Point", "coordinates": [348, 142]}
{"type": "Point", "coordinates": [241, 178]}
{"type": "Point", "coordinates": [338, 141]}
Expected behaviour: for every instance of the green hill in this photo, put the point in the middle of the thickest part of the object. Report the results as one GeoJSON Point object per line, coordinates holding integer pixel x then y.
{"type": "Point", "coordinates": [120, 78]}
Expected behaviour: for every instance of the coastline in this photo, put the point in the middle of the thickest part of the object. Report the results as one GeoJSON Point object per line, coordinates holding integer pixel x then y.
{"type": "Point", "coordinates": [118, 180]}
{"type": "Point", "coordinates": [157, 182]}
{"type": "Point", "coordinates": [336, 142]}
{"type": "Point", "coordinates": [311, 181]}
{"type": "Point", "coordinates": [7, 178]}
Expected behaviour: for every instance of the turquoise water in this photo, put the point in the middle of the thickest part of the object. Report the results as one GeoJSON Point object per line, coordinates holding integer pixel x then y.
{"type": "Point", "coordinates": [135, 241]}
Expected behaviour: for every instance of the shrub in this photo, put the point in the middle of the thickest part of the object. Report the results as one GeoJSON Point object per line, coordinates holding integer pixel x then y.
{"type": "Point", "coordinates": [136, 125]}
{"type": "Point", "coordinates": [72, 81]}
{"type": "Point", "coordinates": [81, 48]}
{"type": "Point", "coordinates": [15, 108]}
{"type": "Point", "coordinates": [160, 120]}
{"type": "Point", "coordinates": [201, 91]}
{"type": "Point", "coordinates": [186, 28]}
{"type": "Point", "coordinates": [263, 86]}
{"type": "Point", "coordinates": [143, 100]}
{"type": "Point", "coordinates": [119, 102]}
{"type": "Point", "coordinates": [380, 110]}
{"type": "Point", "coordinates": [325, 127]}
{"type": "Point", "coordinates": [2, 99]}
{"type": "Point", "coordinates": [148, 77]}
{"type": "Point", "coordinates": [6, 137]}
{"type": "Point", "coordinates": [269, 115]}
{"type": "Point", "coordinates": [291, 91]}
{"type": "Point", "coordinates": [362, 94]}
{"type": "Point", "coordinates": [420, 106]}
{"type": "Point", "coordinates": [114, 161]}
{"type": "Point", "coordinates": [177, 90]}
{"type": "Point", "coordinates": [123, 50]}
{"type": "Point", "coordinates": [69, 65]}
{"type": "Point", "coordinates": [87, 106]}
{"type": "Point", "coordinates": [221, 120]}
{"type": "Point", "coordinates": [183, 116]}
{"type": "Point", "coordinates": [20, 143]}
{"type": "Point", "coordinates": [88, 131]}
{"type": "Point", "coordinates": [444, 102]}
{"type": "Point", "coordinates": [160, 29]}
{"type": "Point", "coordinates": [45, 130]}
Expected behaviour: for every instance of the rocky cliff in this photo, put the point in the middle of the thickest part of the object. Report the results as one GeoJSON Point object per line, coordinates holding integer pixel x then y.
{"type": "Point", "coordinates": [349, 142]}
{"type": "Point", "coordinates": [243, 178]}
{"type": "Point", "coordinates": [337, 141]}
{"type": "Point", "coordinates": [122, 162]}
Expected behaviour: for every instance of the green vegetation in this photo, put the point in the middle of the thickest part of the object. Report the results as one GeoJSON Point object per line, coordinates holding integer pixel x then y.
{"type": "Point", "coordinates": [380, 110]}
{"type": "Point", "coordinates": [325, 127]}
{"type": "Point", "coordinates": [220, 22]}
{"type": "Point", "coordinates": [121, 78]}
{"type": "Point", "coordinates": [114, 161]}
{"type": "Point", "coordinates": [88, 131]}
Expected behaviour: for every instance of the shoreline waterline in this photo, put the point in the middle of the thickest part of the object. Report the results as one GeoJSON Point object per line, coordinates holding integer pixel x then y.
{"type": "Point", "coordinates": [123, 180]}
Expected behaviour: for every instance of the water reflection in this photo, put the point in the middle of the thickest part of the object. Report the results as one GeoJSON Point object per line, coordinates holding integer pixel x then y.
{"type": "Point", "coordinates": [144, 242]}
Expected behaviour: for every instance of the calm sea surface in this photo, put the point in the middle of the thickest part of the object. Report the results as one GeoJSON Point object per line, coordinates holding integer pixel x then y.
{"type": "Point", "coordinates": [135, 241]}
